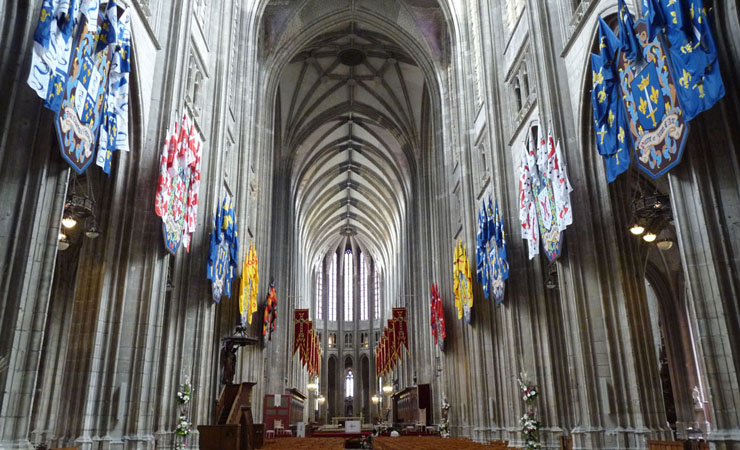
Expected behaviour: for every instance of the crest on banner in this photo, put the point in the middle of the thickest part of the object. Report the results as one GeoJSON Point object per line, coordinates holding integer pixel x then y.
{"type": "Point", "coordinates": [656, 119]}
{"type": "Point", "coordinates": [79, 117]}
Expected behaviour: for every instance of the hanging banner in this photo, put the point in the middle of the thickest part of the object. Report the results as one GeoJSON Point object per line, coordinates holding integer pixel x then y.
{"type": "Point", "coordinates": [223, 250]}
{"type": "Point", "coordinates": [656, 119]}
{"type": "Point", "coordinates": [79, 117]}
{"type": "Point", "coordinates": [438, 318]}
{"type": "Point", "coordinates": [176, 201]}
{"type": "Point", "coordinates": [310, 351]}
{"type": "Point", "coordinates": [463, 283]}
{"type": "Point", "coordinates": [300, 329]}
{"type": "Point", "coordinates": [393, 343]}
{"type": "Point", "coordinates": [400, 326]}
{"type": "Point", "coordinates": [499, 264]}
{"type": "Point", "coordinates": [547, 212]}
{"type": "Point", "coordinates": [249, 283]}
{"type": "Point", "coordinates": [270, 317]}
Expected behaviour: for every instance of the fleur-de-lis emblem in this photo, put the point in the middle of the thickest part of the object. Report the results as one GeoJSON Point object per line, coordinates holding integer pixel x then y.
{"type": "Point", "coordinates": [602, 133]}
{"type": "Point", "coordinates": [643, 106]}
{"type": "Point", "coordinates": [598, 77]}
{"type": "Point", "coordinates": [611, 118]}
{"type": "Point", "coordinates": [700, 86]}
{"type": "Point", "coordinates": [654, 95]}
{"type": "Point", "coordinates": [685, 80]}
{"type": "Point", "coordinates": [620, 136]}
{"type": "Point", "coordinates": [45, 15]}
{"type": "Point", "coordinates": [601, 96]}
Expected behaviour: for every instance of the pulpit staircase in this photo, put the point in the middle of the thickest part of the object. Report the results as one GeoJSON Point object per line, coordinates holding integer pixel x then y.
{"type": "Point", "coordinates": [233, 427]}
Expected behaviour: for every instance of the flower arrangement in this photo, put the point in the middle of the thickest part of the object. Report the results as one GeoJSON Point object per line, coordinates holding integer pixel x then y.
{"type": "Point", "coordinates": [529, 423]}
{"type": "Point", "coordinates": [184, 394]}
{"type": "Point", "coordinates": [183, 426]}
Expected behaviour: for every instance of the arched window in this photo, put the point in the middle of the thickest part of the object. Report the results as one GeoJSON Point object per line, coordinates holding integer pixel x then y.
{"type": "Point", "coordinates": [376, 314]}
{"type": "Point", "coordinates": [517, 95]}
{"type": "Point", "coordinates": [333, 288]}
{"type": "Point", "coordinates": [319, 294]}
{"type": "Point", "coordinates": [363, 287]}
{"type": "Point", "coordinates": [348, 275]}
{"type": "Point", "coordinates": [349, 386]}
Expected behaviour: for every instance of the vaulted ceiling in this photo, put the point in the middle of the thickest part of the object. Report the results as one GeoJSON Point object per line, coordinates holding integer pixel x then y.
{"type": "Point", "coordinates": [351, 108]}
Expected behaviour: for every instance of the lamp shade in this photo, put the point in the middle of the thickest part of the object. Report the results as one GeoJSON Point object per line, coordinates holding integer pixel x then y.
{"type": "Point", "coordinates": [69, 222]}
{"type": "Point", "coordinates": [637, 229]}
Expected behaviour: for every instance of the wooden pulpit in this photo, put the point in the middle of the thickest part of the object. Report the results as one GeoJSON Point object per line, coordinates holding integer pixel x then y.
{"type": "Point", "coordinates": [234, 428]}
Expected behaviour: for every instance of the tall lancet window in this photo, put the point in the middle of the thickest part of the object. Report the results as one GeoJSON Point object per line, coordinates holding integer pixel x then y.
{"type": "Point", "coordinates": [332, 282]}
{"type": "Point", "coordinates": [319, 294]}
{"type": "Point", "coordinates": [376, 314]}
{"type": "Point", "coordinates": [363, 287]}
{"type": "Point", "coordinates": [349, 386]}
{"type": "Point", "coordinates": [348, 274]}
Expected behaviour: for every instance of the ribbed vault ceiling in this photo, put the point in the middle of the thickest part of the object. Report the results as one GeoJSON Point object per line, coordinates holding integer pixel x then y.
{"type": "Point", "coordinates": [351, 114]}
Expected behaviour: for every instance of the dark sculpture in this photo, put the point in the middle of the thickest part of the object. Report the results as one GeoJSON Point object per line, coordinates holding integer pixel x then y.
{"type": "Point", "coordinates": [228, 353]}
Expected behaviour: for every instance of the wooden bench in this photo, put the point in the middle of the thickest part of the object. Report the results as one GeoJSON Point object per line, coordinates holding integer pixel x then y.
{"type": "Point", "coordinates": [432, 443]}
{"type": "Point", "coordinates": [665, 445]}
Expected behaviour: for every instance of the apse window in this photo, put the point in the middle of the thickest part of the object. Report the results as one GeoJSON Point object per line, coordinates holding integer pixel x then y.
{"type": "Point", "coordinates": [333, 288]}
{"type": "Point", "coordinates": [363, 287]}
{"type": "Point", "coordinates": [319, 295]}
{"type": "Point", "coordinates": [348, 274]}
{"type": "Point", "coordinates": [376, 313]}
{"type": "Point", "coordinates": [349, 388]}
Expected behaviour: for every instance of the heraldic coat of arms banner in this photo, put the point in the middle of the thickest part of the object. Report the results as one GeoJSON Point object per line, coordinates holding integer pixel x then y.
{"type": "Point", "coordinates": [79, 117]}
{"type": "Point", "coordinates": [656, 119]}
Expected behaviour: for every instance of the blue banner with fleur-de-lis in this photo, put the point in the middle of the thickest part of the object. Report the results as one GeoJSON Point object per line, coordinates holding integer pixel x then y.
{"type": "Point", "coordinates": [655, 114]}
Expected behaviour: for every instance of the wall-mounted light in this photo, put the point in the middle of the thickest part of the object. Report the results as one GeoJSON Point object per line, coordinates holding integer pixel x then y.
{"type": "Point", "coordinates": [312, 386]}
{"type": "Point", "coordinates": [322, 399]}
{"type": "Point", "coordinates": [387, 389]}
{"type": "Point", "coordinates": [650, 237]}
{"type": "Point", "coordinates": [375, 399]}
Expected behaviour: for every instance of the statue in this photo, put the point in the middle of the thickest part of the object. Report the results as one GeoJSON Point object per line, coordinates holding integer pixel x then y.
{"type": "Point", "coordinates": [228, 362]}
{"type": "Point", "coordinates": [444, 427]}
{"type": "Point", "coordinates": [698, 404]}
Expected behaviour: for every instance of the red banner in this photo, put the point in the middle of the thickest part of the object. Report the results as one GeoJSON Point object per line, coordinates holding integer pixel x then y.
{"type": "Point", "coordinates": [381, 362]}
{"type": "Point", "coordinates": [400, 326]}
{"type": "Point", "coordinates": [439, 316]}
{"type": "Point", "coordinates": [300, 330]}
{"type": "Point", "coordinates": [268, 326]}
{"type": "Point", "coordinates": [392, 344]}
{"type": "Point", "coordinates": [310, 352]}
{"type": "Point", "coordinates": [388, 350]}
